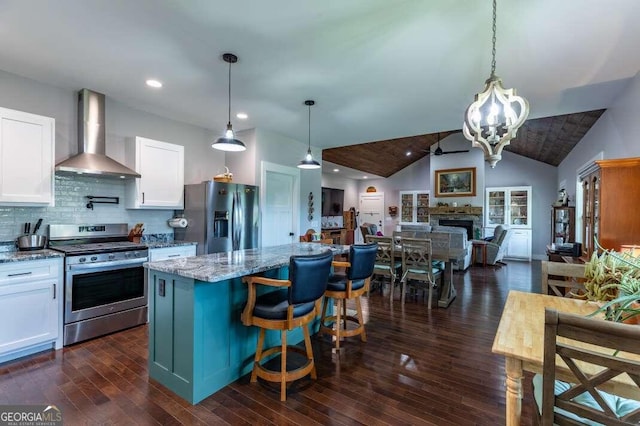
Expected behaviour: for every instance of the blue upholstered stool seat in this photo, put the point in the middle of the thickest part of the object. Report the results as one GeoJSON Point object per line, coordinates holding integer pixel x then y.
{"type": "Point", "coordinates": [274, 305]}
{"type": "Point", "coordinates": [339, 283]}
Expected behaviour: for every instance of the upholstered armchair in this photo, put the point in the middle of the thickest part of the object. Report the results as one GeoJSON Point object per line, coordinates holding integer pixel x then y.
{"type": "Point", "coordinates": [497, 247]}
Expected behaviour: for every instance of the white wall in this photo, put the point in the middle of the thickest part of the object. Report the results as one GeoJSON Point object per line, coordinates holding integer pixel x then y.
{"type": "Point", "coordinates": [615, 134]}
{"type": "Point", "coordinates": [265, 145]}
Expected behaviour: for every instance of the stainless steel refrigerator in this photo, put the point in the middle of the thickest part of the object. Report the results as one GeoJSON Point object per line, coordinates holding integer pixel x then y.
{"type": "Point", "coordinates": [221, 217]}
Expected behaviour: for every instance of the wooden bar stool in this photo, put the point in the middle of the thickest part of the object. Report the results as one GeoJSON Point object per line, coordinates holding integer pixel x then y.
{"type": "Point", "coordinates": [295, 304]}
{"type": "Point", "coordinates": [352, 285]}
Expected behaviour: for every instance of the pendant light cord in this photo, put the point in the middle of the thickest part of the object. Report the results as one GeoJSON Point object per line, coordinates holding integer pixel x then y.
{"type": "Point", "coordinates": [229, 114]}
{"type": "Point", "coordinates": [493, 41]}
{"type": "Point", "coordinates": [309, 137]}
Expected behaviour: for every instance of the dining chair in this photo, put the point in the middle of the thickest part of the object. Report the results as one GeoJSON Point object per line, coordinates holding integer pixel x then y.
{"type": "Point", "coordinates": [295, 303]}
{"type": "Point", "coordinates": [580, 401]}
{"type": "Point", "coordinates": [417, 266]}
{"type": "Point", "coordinates": [350, 285]}
{"type": "Point", "coordinates": [562, 279]}
{"type": "Point", "coordinates": [386, 263]}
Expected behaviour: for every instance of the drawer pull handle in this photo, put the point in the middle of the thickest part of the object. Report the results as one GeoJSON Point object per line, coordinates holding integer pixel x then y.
{"type": "Point", "coordinates": [173, 255]}
{"type": "Point", "coordinates": [19, 274]}
{"type": "Point", "coordinates": [54, 291]}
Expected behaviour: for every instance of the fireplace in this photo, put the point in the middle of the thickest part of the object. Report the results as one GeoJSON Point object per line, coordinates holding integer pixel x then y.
{"type": "Point", "coordinates": [466, 224]}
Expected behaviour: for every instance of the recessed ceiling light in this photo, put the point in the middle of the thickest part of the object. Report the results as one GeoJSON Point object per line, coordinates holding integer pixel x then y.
{"type": "Point", "coordinates": [408, 153]}
{"type": "Point", "coordinates": [242, 115]}
{"type": "Point", "coordinates": [336, 170]}
{"type": "Point", "coordinates": [364, 177]}
{"type": "Point", "coordinates": [154, 83]}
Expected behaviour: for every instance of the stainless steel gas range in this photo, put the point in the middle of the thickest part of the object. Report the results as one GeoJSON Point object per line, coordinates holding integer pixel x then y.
{"type": "Point", "coordinates": [105, 289]}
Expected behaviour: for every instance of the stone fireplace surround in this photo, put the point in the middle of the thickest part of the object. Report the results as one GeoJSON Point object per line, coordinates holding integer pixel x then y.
{"type": "Point", "coordinates": [471, 222]}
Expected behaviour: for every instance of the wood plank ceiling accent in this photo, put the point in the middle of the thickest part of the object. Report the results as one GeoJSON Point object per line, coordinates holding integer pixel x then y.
{"type": "Point", "coordinates": [548, 139]}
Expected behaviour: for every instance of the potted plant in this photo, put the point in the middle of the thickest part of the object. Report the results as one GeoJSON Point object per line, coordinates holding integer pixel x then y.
{"type": "Point", "coordinates": [613, 279]}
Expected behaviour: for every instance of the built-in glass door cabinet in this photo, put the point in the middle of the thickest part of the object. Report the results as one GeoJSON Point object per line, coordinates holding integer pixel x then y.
{"type": "Point", "coordinates": [510, 206]}
{"type": "Point", "coordinates": [414, 207]}
{"type": "Point", "coordinates": [563, 224]}
{"type": "Point", "coordinates": [27, 150]}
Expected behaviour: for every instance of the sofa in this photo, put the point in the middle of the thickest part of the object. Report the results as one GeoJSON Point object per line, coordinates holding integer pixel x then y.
{"type": "Point", "coordinates": [458, 239]}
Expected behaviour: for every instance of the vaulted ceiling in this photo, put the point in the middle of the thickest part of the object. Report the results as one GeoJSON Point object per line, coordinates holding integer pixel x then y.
{"type": "Point", "coordinates": [378, 70]}
{"type": "Point", "coordinates": [548, 140]}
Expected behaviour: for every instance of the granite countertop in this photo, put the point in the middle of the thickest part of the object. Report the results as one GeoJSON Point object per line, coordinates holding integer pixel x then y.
{"type": "Point", "coordinates": [164, 244]}
{"type": "Point", "coordinates": [223, 266]}
{"type": "Point", "coordinates": [23, 256]}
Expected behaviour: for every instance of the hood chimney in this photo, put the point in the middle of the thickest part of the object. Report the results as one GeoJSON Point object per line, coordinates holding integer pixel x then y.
{"type": "Point", "coordinates": [91, 159]}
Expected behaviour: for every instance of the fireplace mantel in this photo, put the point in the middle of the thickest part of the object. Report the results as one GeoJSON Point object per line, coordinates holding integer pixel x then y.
{"type": "Point", "coordinates": [449, 210]}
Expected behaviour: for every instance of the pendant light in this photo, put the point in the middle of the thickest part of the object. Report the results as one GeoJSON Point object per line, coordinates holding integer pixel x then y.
{"type": "Point", "coordinates": [309, 162]}
{"type": "Point", "coordinates": [228, 142]}
{"type": "Point", "coordinates": [495, 116]}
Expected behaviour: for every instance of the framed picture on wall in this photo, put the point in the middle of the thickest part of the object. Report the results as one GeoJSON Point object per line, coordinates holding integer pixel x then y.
{"type": "Point", "coordinates": [456, 182]}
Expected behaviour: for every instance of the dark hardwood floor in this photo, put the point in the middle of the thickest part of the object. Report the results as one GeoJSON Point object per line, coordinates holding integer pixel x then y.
{"type": "Point", "coordinates": [418, 367]}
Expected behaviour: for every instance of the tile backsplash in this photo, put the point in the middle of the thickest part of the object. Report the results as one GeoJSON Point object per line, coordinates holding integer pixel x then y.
{"type": "Point", "coordinates": [71, 207]}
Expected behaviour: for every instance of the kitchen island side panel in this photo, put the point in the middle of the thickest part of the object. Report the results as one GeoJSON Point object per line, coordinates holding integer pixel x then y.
{"type": "Point", "coordinates": [197, 343]}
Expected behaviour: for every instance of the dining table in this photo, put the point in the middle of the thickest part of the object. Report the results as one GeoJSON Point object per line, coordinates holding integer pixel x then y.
{"type": "Point", "coordinates": [520, 339]}
{"type": "Point", "coordinates": [448, 256]}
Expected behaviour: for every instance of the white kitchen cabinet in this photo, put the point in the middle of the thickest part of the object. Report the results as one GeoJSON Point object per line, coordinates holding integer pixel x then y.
{"type": "Point", "coordinates": [161, 166]}
{"type": "Point", "coordinates": [30, 307]}
{"type": "Point", "coordinates": [414, 207]}
{"type": "Point", "coordinates": [27, 146]}
{"type": "Point", "coordinates": [519, 246]}
{"type": "Point", "coordinates": [164, 253]}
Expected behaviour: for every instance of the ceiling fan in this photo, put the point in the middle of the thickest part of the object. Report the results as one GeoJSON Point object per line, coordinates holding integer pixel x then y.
{"type": "Point", "coordinates": [439, 151]}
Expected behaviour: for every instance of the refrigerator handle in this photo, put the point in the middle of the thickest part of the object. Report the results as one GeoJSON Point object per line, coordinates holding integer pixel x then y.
{"type": "Point", "coordinates": [235, 222]}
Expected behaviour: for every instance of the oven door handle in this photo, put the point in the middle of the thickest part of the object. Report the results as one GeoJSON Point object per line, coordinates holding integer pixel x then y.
{"type": "Point", "coordinates": [126, 262]}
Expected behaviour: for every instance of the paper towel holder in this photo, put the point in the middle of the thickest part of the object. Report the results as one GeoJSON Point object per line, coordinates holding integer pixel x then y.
{"type": "Point", "coordinates": [178, 222]}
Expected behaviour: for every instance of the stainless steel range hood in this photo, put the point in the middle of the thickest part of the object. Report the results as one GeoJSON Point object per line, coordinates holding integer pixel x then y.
{"type": "Point", "coordinates": [91, 159]}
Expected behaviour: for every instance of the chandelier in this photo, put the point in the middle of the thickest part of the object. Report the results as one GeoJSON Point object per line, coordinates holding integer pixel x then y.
{"type": "Point", "coordinates": [493, 119]}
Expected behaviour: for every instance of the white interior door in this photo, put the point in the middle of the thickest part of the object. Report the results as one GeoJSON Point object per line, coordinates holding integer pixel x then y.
{"type": "Point", "coordinates": [371, 211]}
{"type": "Point", "coordinates": [279, 204]}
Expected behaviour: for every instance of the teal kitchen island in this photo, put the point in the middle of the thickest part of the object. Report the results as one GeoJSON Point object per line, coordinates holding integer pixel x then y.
{"type": "Point", "coordinates": [197, 343]}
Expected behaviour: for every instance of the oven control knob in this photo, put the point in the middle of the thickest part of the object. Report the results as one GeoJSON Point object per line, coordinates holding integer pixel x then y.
{"type": "Point", "coordinates": [94, 258]}
{"type": "Point", "coordinates": [82, 259]}
{"type": "Point", "coordinates": [127, 254]}
{"type": "Point", "coordinates": [112, 256]}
